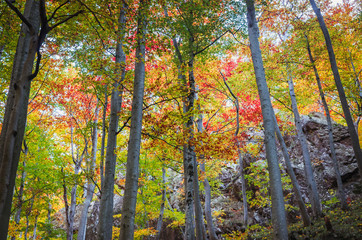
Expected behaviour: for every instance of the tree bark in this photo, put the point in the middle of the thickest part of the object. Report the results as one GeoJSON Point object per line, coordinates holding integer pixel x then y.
{"type": "Point", "coordinates": [278, 211]}
{"type": "Point", "coordinates": [199, 217]}
{"type": "Point", "coordinates": [106, 204]}
{"type": "Point", "coordinates": [208, 213]}
{"type": "Point", "coordinates": [312, 186]}
{"type": "Point", "coordinates": [13, 127]}
{"type": "Point", "coordinates": [342, 95]}
{"type": "Point", "coordinates": [162, 208]}
{"type": "Point", "coordinates": [134, 144]}
{"type": "Point", "coordinates": [341, 194]}
{"type": "Point", "coordinates": [90, 186]}
{"type": "Point", "coordinates": [103, 144]}
{"type": "Point", "coordinates": [241, 162]}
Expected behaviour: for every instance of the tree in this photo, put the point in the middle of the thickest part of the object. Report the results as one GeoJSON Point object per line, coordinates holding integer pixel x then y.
{"type": "Point", "coordinates": [337, 79]}
{"type": "Point", "coordinates": [134, 144]}
{"type": "Point", "coordinates": [341, 194]}
{"type": "Point", "coordinates": [312, 186]}
{"type": "Point", "coordinates": [278, 211]}
{"type": "Point", "coordinates": [106, 207]}
{"type": "Point", "coordinates": [12, 132]}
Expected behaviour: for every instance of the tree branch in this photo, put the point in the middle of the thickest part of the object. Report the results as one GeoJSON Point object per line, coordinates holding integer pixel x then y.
{"type": "Point", "coordinates": [212, 43]}
{"type": "Point", "coordinates": [55, 11]}
{"type": "Point", "coordinates": [21, 16]}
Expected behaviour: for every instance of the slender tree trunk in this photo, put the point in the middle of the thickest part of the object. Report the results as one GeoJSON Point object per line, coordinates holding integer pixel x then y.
{"type": "Point", "coordinates": [27, 214]}
{"type": "Point", "coordinates": [296, 187]}
{"type": "Point", "coordinates": [134, 144]}
{"type": "Point", "coordinates": [101, 164]}
{"type": "Point", "coordinates": [73, 194]}
{"type": "Point", "coordinates": [35, 226]}
{"type": "Point", "coordinates": [241, 162]}
{"type": "Point", "coordinates": [2, 47]}
{"type": "Point", "coordinates": [341, 194]}
{"type": "Point", "coordinates": [162, 209]}
{"type": "Point", "coordinates": [342, 95]}
{"type": "Point", "coordinates": [106, 205]}
{"type": "Point", "coordinates": [199, 217]}
{"type": "Point", "coordinates": [13, 127]}
{"type": "Point", "coordinates": [73, 204]}
{"type": "Point", "coordinates": [208, 214]}
{"type": "Point", "coordinates": [90, 186]}
{"type": "Point", "coordinates": [66, 205]}
{"type": "Point", "coordinates": [49, 220]}
{"type": "Point", "coordinates": [278, 211]}
{"type": "Point", "coordinates": [187, 149]}
{"type": "Point", "coordinates": [312, 186]}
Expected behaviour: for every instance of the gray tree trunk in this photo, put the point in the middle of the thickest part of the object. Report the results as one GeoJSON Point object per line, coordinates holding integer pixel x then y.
{"type": "Point", "coordinates": [188, 152]}
{"type": "Point", "coordinates": [278, 211]}
{"type": "Point", "coordinates": [13, 127]}
{"type": "Point", "coordinates": [199, 217]}
{"type": "Point", "coordinates": [106, 204]}
{"type": "Point", "coordinates": [341, 194]}
{"type": "Point", "coordinates": [73, 194]}
{"type": "Point", "coordinates": [342, 95]}
{"type": "Point", "coordinates": [312, 186]}
{"type": "Point", "coordinates": [2, 47]}
{"type": "Point", "coordinates": [103, 144]}
{"type": "Point", "coordinates": [296, 187]}
{"type": "Point", "coordinates": [162, 208]}
{"type": "Point", "coordinates": [35, 226]}
{"type": "Point", "coordinates": [90, 186]}
{"type": "Point", "coordinates": [241, 162]}
{"type": "Point", "coordinates": [134, 144]}
{"type": "Point", "coordinates": [208, 213]}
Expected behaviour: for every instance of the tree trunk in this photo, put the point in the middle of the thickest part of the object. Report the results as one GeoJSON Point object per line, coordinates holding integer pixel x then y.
{"type": "Point", "coordinates": [134, 144]}
{"type": "Point", "coordinates": [312, 186]}
{"type": "Point", "coordinates": [241, 162]}
{"type": "Point", "coordinates": [199, 217]}
{"type": "Point", "coordinates": [90, 186]}
{"type": "Point", "coordinates": [73, 204]}
{"type": "Point", "coordinates": [27, 214]}
{"type": "Point", "coordinates": [296, 187]}
{"type": "Point", "coordinates": [162, 209]}
{"type": "Point", "coordinates": [35, 226]}
{"type": "Point", "coordinates": [106, 204]}
{"type": "Point", "coordinates": [341, 194]}
{"type": "Point", "coordinates": [101, 164]}
{"type": "Point", "coordinates": [188, 152]}
{"type": "Point", "coordinates": [342, 95]}
{"type": "Point", "coordinates": [20, 195]}
{"type": "Point", "coordinates": [2, 46]}
{"type": "Point", "coordinates": [208, 214]}
{"type": "Point", "coordinates": [13, 127]}
{"type": "Point", "coordinates": [278, 211]}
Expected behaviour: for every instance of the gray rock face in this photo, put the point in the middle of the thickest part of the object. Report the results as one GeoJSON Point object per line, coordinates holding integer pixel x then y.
{"type": "Point", "coordinates": [58, 219]}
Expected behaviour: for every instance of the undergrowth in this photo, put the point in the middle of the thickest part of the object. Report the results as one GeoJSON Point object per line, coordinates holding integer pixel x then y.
{"type": "Point", "coordinates": [345, 225]}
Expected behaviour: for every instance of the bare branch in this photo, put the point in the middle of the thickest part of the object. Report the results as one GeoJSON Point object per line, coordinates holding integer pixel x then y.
{"type": "Point", "coordinates": [55, 11]}
{"type": "Point", "coordinates": [21, 16]}
{"type": "Point", "coordinates": [212, 43]}
{"type": "Point", "coordinates": [66, 19]}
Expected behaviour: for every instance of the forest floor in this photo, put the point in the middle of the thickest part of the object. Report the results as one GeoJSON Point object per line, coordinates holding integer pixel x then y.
{"type": "Point", "coordinates": [337, 224]}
